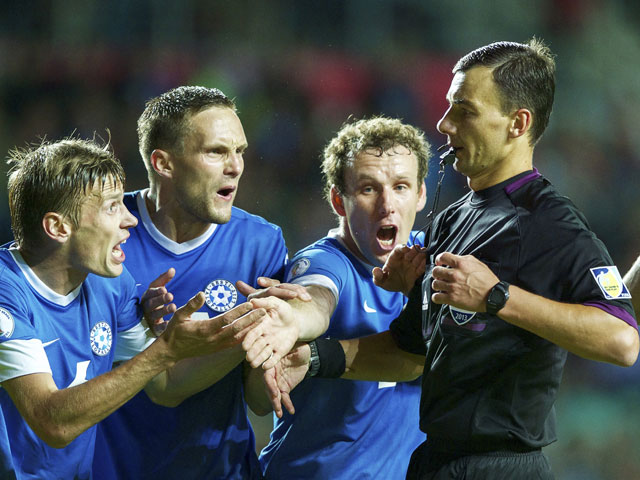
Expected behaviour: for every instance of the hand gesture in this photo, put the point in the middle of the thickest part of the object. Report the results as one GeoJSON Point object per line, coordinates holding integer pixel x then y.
{"type": "Point", "coordinates": [185, 337]}
{"type": "Point", "coordinates": [401, 270]}
{"type": "Point", "coordinates": [274, 337]}
{"type": "Point", "coordinates": [156, 302]}
{"type": "Point", "coordinates": [273, 288]}
{"type": "Point", "coordinates": [285, 376]}
{"type": "Point", "coordinates": [462, 281]}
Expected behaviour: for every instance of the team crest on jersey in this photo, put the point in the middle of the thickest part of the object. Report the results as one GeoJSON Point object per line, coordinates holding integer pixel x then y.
{"type": "Point", "coordinates": [7, 324]}
{"type": "Point", "coordinates": [299, 267]}
{"type": "Point", "coordinates": [101, 338]}
{"type": "Point", "coordinates": [461, 316]}
{"type": "Point", "coordinates": [221, 295]}
{"type": "Point", "coordinates": [610, 282]}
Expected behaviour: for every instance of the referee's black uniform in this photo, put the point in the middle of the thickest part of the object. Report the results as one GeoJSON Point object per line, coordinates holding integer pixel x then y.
{"type": "Point", "coordinates": [489, 387]}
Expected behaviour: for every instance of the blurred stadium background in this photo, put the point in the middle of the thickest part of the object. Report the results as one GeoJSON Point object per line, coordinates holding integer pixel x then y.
{"type": "Point", "coordinates": [298, 69]}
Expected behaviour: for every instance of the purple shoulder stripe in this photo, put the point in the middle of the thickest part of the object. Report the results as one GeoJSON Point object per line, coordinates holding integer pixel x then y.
{"type": "Point", "coordinates": [512, 187]}
{"type": "Point", "coordinates": [618, 312]}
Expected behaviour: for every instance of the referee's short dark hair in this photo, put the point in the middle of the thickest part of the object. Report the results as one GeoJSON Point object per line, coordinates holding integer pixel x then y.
{"type": "Point", "coordinates": [524, 74]}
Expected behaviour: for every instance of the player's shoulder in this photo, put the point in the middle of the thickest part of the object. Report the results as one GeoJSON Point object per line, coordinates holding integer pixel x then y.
{"type": "Point", "coordinates": [117, 287]}
{"type": "Point", "coordinates": [242, 219]}
{"type": "Point", "coordinates": [327, 253]}
{"type": "Point", "coordinates": [325, 247]}
{"type": "Point", "coordinates": [130, 200]}
{"type": "Point", "coordinates": [323, 258]}
{"type": "Point", "coordinates": [9, 270]}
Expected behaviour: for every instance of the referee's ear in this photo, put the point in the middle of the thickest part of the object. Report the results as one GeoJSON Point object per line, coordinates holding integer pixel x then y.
{"type": "Point", "coordinates": [336, 201]}
{"type": "Point", "coordinates": [520, 123]}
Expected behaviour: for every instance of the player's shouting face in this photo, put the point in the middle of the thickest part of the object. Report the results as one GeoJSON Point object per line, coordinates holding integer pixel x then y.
{"type": "Point", "coordinates": [380, 203]}
{"type": "Point", "coordinates": [95, 245]}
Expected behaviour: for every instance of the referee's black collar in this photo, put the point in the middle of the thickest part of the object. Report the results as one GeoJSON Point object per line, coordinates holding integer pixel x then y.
{"type": "Point", "coordinates": [508, 186]}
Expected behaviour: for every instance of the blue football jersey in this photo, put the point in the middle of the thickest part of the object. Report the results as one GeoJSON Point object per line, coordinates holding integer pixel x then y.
{"type": "Point", "coordinates": [73, 337]}
{"type": "Point", "coordinates": [208, 436]}
{"type": "Point", "coordinates": [344, 428]}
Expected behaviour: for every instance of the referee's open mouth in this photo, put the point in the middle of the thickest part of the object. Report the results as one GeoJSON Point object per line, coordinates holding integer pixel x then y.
{"type": "Point", "coordinates": [386, 236]}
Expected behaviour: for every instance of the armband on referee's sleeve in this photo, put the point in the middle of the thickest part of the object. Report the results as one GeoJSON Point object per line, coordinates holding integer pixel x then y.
{"type": "Point", "coordinates": [327, 358]}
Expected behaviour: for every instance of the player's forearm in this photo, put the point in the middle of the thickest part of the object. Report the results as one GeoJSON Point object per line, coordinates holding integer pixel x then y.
{"type": "Point", "coordinates": [192, 375]}
{"type": "Point", "coordinates": [59, 416]}
{"type": "Point", "coordinates": [312, 322]}
{"type": "Point", "coordinates": [313, 317]}
{"type": "Point", "coordinates": [583, 330]}
{"type": "Point", "coordinates": [254, 392]}
{"type": "Point", "coordinates": [378, 358]}
{"type": "Point", "coordinates": [632, 281]}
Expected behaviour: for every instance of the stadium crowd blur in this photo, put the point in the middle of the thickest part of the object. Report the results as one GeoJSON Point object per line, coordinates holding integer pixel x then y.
{"type": "Point", "coordinates": [298, 70]}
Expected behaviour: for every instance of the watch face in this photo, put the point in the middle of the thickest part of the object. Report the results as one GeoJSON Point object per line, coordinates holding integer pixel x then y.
{"type": "Point", "coordinates": [497, 297]}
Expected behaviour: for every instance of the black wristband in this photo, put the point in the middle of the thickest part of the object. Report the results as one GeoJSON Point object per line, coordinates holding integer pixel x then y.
{"type": "Point", "coordinates": [332, 358]}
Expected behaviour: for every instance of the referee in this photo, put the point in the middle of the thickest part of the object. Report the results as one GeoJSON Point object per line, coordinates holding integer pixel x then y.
{"type": "Point", "coordinates": [514, 279]}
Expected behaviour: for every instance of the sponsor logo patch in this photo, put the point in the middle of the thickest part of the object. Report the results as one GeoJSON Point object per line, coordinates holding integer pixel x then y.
{"type": "Point", "coordinates": [610, 282]}
{"type": "Point", "coordinates": [299, 267]}
{"type": "Point", "coordinates": [221, 295]}
{"type": "Point", "coordinates": [7, 324]}
{"type": "Point", "coordinates": [461, 316]}
{"type": "Point", "coordinates": [101, 338]}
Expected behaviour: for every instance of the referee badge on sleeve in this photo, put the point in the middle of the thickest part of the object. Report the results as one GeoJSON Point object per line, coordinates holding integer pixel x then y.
{"type": "Point", "coordinates": [610, 282]}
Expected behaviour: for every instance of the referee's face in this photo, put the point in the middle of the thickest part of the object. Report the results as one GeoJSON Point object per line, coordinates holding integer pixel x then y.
{"type": "Point", "coordinates": [476, 127]}
{"type": "Point", "coordinates": [380, 204]}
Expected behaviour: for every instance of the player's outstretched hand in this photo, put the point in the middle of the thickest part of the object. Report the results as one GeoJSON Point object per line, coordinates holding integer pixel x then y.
{"type": "Point", "coordinates": [185, 337]}
{"type": "Point", "coordinates": [281, 379]}
{"type": "Point", "coordinates": [274, 337]}
{"type": "Point", "coordinates": [402, 268]}
{"type": "Point", "coordinates": [273, 288]}
{"type": "Point", "coordinates": [156, 302]}
{"type": "Point", "coordinates": [462, 281]}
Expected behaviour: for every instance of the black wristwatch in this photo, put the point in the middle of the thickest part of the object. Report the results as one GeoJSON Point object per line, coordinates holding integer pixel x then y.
{"type": "Point", "coordinates": [497, 297]}
{"type": "Point", "coordinates": [314, 361]}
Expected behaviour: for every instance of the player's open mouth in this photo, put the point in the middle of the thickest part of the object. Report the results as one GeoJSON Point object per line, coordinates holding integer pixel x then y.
{"type": "Point", "coordinates": [386, 236]}
{"type": "Point", "coordinates": [117, 252]}
{"type": "Point", "coordinates": [226, 192]}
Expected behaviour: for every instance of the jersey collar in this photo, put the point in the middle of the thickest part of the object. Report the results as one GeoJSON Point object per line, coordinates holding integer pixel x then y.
{"type": "Point", "coordinates": [39, 286]}
{"type": "Point", "coordinates": [174, 247]}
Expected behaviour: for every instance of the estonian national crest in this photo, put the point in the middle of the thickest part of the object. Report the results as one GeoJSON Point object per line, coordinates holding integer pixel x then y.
{"type": "Point", "coordinates": [221, 295]}
{"type": "Point", "coordinates": [101, 338]}
{"type": "Point", "coordinates": [610, 282]}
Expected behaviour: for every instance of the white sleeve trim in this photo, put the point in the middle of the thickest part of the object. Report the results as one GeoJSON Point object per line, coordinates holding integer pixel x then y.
{"type": "Point", "coordinates": [133, 341]}
{"type": "Point", "coordinates": [321, 281]}
{"type": "Point", "coordinates": [22, 357]}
